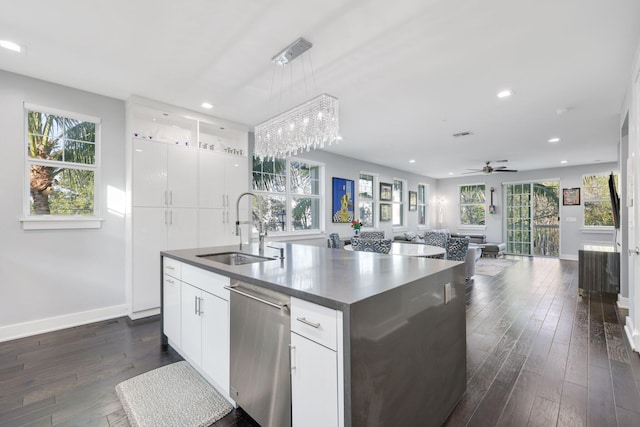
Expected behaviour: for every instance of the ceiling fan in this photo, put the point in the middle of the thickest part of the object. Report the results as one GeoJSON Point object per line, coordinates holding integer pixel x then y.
{"type": "Point", "coordinates": [489, 169]}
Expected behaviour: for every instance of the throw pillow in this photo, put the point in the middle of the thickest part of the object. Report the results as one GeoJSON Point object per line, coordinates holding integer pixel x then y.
{"type": "Point", "coordinates": [410, 236]}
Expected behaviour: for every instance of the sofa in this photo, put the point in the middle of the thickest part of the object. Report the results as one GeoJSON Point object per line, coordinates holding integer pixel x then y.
{"type": "Point", "coordinates": [441, 238]}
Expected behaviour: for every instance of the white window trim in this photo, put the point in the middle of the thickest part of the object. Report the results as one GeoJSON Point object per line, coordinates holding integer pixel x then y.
{"type": "Point", "coordinates": [289, 197]}
{"type": "Point", "coordinates": [404, 203]}
{"type": "Point", "coordinates": [61, 222]}
{"type": "Point", "coordinates": [595, 228]}
{"type": "Point", "coordinates": [425, 204]}
{"type": "Point", "coordinates": [472, 227]}
{"type": "Point", "coordinates": [375, 200]}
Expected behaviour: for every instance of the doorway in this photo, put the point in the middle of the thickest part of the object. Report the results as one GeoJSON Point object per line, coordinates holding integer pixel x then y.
{"type": "Point", "coordinates": [533, 220]}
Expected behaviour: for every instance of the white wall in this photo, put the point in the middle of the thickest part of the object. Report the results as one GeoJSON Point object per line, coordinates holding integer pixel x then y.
{"type": "Point", "coordinates": [55, 278]}
{"type": "Point", "coordinates": [572, 235]}
{"type": "Point", "coordinates": [348, 168]}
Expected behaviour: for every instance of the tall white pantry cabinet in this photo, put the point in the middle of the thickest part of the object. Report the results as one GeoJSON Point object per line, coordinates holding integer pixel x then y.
{"type": "Point", "coordinates": [186, 172]}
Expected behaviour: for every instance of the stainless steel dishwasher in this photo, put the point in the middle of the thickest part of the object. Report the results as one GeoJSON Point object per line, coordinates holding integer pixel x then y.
{"type": "Point", "coordinates": [260, 338]}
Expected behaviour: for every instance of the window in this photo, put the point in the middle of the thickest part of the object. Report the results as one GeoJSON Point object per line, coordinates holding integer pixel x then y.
{"type": "Point", "coordinates": [597, 201]}
{"type": "Point", "coordinates": [398, 203]}
{"type": "Point", "coordinates": [289, 192]}
{"type": "Point", "coordinates": [423, 196]}
{"type": "Point", "coordinates": [367, 199]}
{"type": "Point", "coordinates": [62, 162]}
{"type": "Point", "coordinates": [472, 201]}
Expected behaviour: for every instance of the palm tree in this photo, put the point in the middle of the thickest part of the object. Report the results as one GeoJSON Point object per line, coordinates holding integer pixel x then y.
{"type": "Point", "coordinates": [60, 139]}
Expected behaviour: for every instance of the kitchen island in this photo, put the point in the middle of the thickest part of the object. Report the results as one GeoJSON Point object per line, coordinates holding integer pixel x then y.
{"type": "Point", "coordinates": [400, 344]}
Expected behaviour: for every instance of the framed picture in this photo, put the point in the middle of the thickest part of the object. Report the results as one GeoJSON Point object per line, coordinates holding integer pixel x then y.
{"type": "Point", "coordinates": [342, 206]}
{"type": "Point", "coordinates": [385, 212]}
{"type": "Point", "coordinates": [413, 200]}
{"type": "Point", "coordinates": [386, 191]}
{"type": "Point", "coordinates": [570, 196]}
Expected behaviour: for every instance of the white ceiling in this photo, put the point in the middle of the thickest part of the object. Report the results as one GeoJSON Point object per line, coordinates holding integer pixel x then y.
{"type": "Point", "coordinates": [408, 73]}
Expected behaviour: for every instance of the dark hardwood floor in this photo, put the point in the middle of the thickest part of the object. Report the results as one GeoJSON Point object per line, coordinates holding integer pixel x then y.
{"type": "Point", "coordinates": [538, 354]}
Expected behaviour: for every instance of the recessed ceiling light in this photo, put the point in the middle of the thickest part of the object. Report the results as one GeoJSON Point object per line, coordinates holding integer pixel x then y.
{"type": "Point", "coordinates": [450, 173]}
{"type": "Point", "coordinates": [504, 93]}
{"type": "Point", "coordinates": [206, 105]}
{"type": "Point", "coordinates": [563, 161]}
{"type": "Point", "coordinates": [10, 45]}
{"type": "Point", "coordinates": [553, 140]}
{"type": "Point", "coordinates": [412, 161]}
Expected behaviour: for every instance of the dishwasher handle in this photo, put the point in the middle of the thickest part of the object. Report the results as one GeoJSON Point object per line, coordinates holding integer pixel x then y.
{"type": "Point", "coordinates": [253, 297]}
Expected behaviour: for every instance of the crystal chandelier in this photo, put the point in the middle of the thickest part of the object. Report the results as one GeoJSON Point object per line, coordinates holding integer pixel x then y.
{"type": "Point", "coordinates": [312, 124]}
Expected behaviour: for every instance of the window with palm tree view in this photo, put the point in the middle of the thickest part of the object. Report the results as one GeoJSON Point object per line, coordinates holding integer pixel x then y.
{"type": "Point", "coordinates": [61, 160]}
{"type": "Point", "coordinates": [289, 194]}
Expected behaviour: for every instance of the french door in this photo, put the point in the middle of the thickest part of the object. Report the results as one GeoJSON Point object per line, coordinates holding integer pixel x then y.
{"type": "Point", "coordinates": [532, 220]}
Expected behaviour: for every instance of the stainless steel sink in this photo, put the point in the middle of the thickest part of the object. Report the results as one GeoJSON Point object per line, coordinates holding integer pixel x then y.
{"type": "Point", "coordinates": [234, 258]}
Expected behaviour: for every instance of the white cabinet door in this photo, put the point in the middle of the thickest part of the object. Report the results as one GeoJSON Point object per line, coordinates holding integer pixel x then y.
{"type": "Point", "coordinates": [191, 324]}
{"type": "Point", "coordinates": [213, 229]}
{"type": "Point", "coordinates": [149, 238]}
{"type": "Point", "coordinates": [171, 310]}
{"type": "Point", "coordinates": [182, 228]}
{"type": "Point", "coordinates": [215, 339]}
{"type": "Point", "coordinates": [149, 173]}
{"type": "Point", "coordinates": [236, 178]}
{"type": "Point", "coordinates": [211, 179]}
{"type": "Point", "coordinates": [314, 384]}
{"type": "Point", "coordinates": [182, 176]}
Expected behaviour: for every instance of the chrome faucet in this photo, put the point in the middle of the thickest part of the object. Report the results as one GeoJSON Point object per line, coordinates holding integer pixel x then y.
{"type": "Point", "coordinates": [262, 230]}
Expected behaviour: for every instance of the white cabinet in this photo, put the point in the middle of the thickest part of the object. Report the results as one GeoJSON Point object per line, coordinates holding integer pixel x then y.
{"type": "Point", "coordinates": [155, 230]}
{"type": "Point", "coordinates": [182, 196]}
{"type": "Point", "coordinates": [215, 338]}
{"type": "Point", "coordinates": [314, 388]}
{"type": "Point", "coordinates": [164, 174]}
{"type": "Point", "coordinates": [171, 283]}
{"type": "Point", "coordinates": [316, 365]}
{"type": "Point", "coordinates": [222, 178]}
{"type": "Point", "coordinates": [205, 323]}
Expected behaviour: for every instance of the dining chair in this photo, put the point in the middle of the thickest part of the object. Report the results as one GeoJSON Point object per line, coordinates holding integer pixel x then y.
{"type": "Point", "coordinates": [457, 248]}
{"type": "Point", "coordinates": [382, 246]}
{"type": "Point", "coordinates": [371, 235]}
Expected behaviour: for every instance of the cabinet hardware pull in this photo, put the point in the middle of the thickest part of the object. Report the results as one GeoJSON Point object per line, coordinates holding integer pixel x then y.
{"type": "Point", "coordinates": [165, 218]}
{"type": "Point", "coordinates": [306, 322]}
{"type": "Point", "coordinates": [170, 281]}
{"type": "Point", "coordinates": [195, 305]}
{"type": "Point", "coordinates": [165, 197]}
{"type": "Point", "coordinates": [169, 267]}
{"type": "Point", "coordinates": [170, 217]}
{"type": "Point", "coordinates": [264, 301]}
{"type": "Point", "coordinates": [200, 306]}
{"type": "Point", "coordinates": [293, 356]}
{"type": "Point", "coordinates": [171, 197]}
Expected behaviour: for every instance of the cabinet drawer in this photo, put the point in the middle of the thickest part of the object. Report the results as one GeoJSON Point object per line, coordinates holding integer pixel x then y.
{"type": "Point", "coordinates": [171, 267]}
{"type": "Point", "coordinates": [315, 322]}
{"type": "Point", "coordinates": [206, 280]}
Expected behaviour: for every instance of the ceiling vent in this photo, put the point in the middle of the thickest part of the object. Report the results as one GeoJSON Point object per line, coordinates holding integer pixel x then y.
{"type": "Point", "coordinates": [460, 134]}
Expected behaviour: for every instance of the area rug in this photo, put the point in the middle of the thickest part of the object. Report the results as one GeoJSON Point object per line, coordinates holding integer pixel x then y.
{"type": "Point", "coordinates": [493, 266]}
{"type": "Point", "coordinates": [173, 395]}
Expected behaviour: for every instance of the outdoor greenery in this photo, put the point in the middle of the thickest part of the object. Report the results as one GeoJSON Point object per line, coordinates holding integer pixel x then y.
{"type": "Point", "coordinates": [61, 164]}
{"type": "Point", "coordinates": [472, 204]}
{"type": "Point", "coordinates": [542, 228]}
{"type": "Point", "coordinates": [597, 201]}
{"type": "Point", "coordinates": [270, 184]}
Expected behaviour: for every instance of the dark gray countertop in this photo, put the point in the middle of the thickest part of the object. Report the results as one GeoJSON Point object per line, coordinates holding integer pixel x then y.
{"type": "Point", "coordinates": [331, 277]}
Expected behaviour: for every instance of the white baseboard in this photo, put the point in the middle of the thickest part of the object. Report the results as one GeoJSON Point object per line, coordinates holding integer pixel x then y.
{"type": "Point", "coordinates": [35, 327]}
{"type": "Point", "coordinates": [623, 302]}
{"type": "Point", "coordinates": [144, 313]}
{"type": "Point", "coordinates": [631, 333]}
{"type": "Point", "coordinates": [568, 257]}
